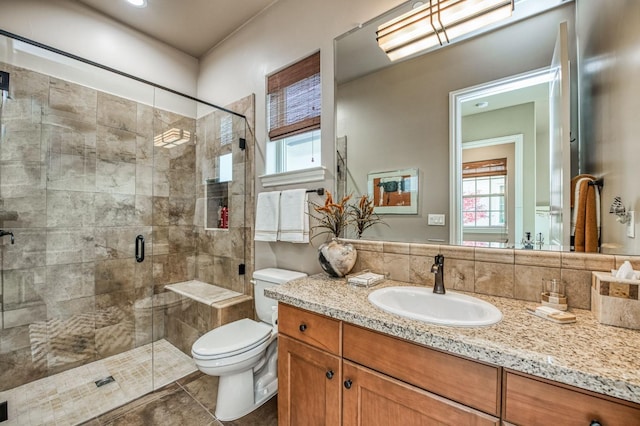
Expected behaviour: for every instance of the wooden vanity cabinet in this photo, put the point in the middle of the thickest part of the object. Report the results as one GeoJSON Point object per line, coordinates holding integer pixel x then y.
{"type": "Point", "coordinates": [332, 373]}
{"type": "Point", "coordinates": [533, 401]}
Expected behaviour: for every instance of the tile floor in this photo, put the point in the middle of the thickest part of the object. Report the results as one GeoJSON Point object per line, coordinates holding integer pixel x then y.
{"type": "Point", "coordinates": [72, 397]}
{"type": "Point", "coordinates": [190, 401]}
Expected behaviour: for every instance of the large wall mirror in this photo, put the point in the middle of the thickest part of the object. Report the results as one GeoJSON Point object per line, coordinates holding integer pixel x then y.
{"type": "Point", "coordinates": [398, 115]}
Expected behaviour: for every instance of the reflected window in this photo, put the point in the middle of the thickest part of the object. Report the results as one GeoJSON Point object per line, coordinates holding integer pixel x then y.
{"type": "Point", "coordinates": [484, 194]}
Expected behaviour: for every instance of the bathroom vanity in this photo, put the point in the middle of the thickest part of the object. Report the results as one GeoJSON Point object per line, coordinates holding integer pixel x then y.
{"type": "Point", "coordinates": [343, 361]}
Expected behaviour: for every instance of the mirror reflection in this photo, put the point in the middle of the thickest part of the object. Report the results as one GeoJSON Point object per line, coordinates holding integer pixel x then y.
{"type": "Point", "coordinates": [397, 116]}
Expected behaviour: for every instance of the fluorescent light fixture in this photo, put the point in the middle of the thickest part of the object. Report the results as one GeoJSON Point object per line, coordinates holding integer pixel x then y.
{"type": "Point", "coordinates": [437, 22]}
{"type": "Point", "coordinates": [172, 138]}
{"type": "Point", "coordinates": [138, 3]}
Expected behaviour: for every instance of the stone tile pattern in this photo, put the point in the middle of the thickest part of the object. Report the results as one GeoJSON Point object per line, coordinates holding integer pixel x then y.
{"type": "Point", "coordinates": [220, 251]}
{"type": "Point", "coordinates": [71, 397]}
{"type": "Point", "coordinates": [80, 168]}
{"type": "Point", "coordinates": [516, 274]}
{"type": "Point", "coordinates": [585, 354]}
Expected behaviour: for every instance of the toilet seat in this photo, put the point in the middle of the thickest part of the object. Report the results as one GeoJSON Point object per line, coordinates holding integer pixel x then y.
{"type": "Point", "coordinates": [231, 339]}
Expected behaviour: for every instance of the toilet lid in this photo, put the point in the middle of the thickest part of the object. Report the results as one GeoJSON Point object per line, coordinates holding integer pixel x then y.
{"type": "Point", "coordinates": [236, 337]}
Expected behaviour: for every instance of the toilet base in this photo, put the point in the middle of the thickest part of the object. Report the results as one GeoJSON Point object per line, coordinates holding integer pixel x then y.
{"type": "Point", "coordinates": [236, 397]}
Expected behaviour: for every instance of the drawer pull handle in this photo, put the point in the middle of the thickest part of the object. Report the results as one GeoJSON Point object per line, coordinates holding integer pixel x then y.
{"type": "Point", "coordinates": [595, 423]}
{"type": "Point", "coordinates": [303, 327]}
{"type": "Point", "coordinates": [329, 374]}
{"type": "Point", "coordinates": [348, 383]}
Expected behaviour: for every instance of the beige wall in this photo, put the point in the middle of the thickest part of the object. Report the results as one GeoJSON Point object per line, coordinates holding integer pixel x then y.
{"type": "Point", "coordinates": [608, 39]}
{"type": "Point", "coordinates": [76, 29]}
{"type": "Point", "coordinates": [284, 33]}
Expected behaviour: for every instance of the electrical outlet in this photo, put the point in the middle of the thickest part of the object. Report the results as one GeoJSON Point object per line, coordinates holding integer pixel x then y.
{"type": "Point", "coordinates": [435, 219]}
{"type": "Point", "coordinates": [631, 225]}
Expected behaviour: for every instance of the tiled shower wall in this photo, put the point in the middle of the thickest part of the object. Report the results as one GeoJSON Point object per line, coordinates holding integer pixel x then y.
{"type": "Point", "coordinates": [220, 251]}
{"type": "Point", "coordinates": [78, 166]}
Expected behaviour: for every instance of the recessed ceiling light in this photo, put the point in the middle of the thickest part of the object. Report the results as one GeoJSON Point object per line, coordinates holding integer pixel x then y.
{"type": "Point", "coordinates": [138, 3]}
{"type": "Point", "coordinates": [482, 104]}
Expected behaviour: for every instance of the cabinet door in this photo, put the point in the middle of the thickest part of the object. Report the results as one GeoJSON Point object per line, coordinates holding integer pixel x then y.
{"type": "Point", "coordinates": [373, 399]}
{"type": "Point", "coordinates": [309, 385]}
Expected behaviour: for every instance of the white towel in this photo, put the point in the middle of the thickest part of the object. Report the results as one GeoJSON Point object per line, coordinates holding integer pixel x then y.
{"type": "Point", "coordinates": [267, 216]}
{"type": "Point", "coordinates": [294, 216]}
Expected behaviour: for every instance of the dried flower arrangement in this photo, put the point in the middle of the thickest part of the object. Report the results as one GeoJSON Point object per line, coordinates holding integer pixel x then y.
{"type": "Point", "coordinates": [335, 218]}
{"type": "Point", "coordinates": [363, 215]}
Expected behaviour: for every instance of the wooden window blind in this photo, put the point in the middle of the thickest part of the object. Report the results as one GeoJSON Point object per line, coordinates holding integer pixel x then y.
{"type": "Point", "coordinates": [495, 167]}
{"type": "Point", "coordinates": [294, 98]}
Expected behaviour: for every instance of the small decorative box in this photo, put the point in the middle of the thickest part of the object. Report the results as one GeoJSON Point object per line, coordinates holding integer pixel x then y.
{"type": "Point", "coordinates": [614, 301]}
{"type": "Point", "coordinates": [365, 279]}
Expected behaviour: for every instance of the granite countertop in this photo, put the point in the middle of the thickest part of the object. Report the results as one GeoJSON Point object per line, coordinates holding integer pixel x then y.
{"type": "Point", "coordinates": [586, 354]}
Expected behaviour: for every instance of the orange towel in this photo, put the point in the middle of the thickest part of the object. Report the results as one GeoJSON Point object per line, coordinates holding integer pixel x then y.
{"type": "Point", "coordinates": [574, 181]}
{"type": "Point", "coordinates": [586, 238]}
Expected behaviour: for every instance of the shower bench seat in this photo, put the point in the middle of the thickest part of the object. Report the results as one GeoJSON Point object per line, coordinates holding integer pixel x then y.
{"type": "Point", "coordinates": [209, 294]}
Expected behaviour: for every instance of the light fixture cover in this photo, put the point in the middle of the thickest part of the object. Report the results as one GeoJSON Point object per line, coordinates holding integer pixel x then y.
{"type": "Point", "coordinates": [138, 3]}
{"type": "Point", "coordinates": [438, 22]}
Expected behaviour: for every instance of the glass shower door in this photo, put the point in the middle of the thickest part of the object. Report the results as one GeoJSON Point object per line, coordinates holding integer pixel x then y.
{"type": "Point", "coordinates": [76, 179]}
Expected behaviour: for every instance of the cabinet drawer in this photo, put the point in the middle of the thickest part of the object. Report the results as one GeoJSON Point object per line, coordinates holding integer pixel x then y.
{"type": "Point", "coordinates": [373, 399]}
{"type": "Point", "coordinates": [531, 401]}
{"type": "Point", "coordinates": [468, 382]}
{"type": "Point", "coordinates": [316, 330]}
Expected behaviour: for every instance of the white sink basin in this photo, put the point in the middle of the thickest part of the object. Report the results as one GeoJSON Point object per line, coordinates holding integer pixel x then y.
{"type": "Point", "coordinates": [422, 304]}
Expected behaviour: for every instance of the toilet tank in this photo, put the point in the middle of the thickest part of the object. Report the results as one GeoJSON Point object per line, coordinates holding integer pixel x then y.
{"type": "Point", "coordinates": [269, 277]}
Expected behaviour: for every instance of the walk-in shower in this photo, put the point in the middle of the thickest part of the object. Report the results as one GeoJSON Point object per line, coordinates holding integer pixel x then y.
{"type": "Point", "coordinates": [110, 189]}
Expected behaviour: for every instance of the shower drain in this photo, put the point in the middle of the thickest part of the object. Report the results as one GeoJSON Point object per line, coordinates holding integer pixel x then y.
{"type": "Point", "coordinates": [105, 381]}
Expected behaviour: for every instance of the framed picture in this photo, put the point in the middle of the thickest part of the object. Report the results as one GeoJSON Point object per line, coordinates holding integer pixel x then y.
{"type": "Point", "coordinates": [394, 192]}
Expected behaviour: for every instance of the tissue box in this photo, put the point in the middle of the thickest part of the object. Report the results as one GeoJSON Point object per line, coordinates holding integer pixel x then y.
{"type": "Point", "coordinates": [614, 301]}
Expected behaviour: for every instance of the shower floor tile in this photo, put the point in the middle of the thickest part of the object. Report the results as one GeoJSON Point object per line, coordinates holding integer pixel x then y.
{"type": "Point", "coordinates": [72, 397]}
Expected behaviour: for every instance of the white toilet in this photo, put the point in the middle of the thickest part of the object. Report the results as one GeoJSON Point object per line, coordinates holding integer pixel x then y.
{"type": "Point", "coordinates": [244, 353]}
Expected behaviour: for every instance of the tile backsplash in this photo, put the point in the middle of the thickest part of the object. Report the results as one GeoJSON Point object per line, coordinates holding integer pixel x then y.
{"type": "Point", "coordinates": [516, 274]}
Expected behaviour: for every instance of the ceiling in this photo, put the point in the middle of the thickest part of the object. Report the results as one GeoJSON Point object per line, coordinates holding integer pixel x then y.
{"type": "Point", "coordinates": [191, 26]}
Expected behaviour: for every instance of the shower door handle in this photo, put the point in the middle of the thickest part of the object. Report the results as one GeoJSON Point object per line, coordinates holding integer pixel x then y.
{"type": "Point", "coordinates": [139, 248]}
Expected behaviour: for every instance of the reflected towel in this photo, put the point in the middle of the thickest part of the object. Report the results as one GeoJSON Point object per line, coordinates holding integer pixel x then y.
{"type": "Point", "coordinates": [294, 216]}
{"type": "Point", "coordinates": [267, 216]}
{"type": "Point", "coordinates": [585, 226]}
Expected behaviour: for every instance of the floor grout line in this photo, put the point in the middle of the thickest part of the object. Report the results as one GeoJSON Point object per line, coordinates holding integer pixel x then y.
{"type": "Point", "coordinates": [198, 401]}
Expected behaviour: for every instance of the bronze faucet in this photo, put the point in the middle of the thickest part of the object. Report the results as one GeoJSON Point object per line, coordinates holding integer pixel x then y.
{"type": "Point", "coordinates": [438, 269]}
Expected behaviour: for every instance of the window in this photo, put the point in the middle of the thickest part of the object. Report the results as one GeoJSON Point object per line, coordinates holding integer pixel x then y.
{"type": "Point", "coordinates": [484, 194]}
{"type": "Point", "coordinates": [294, 117]}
